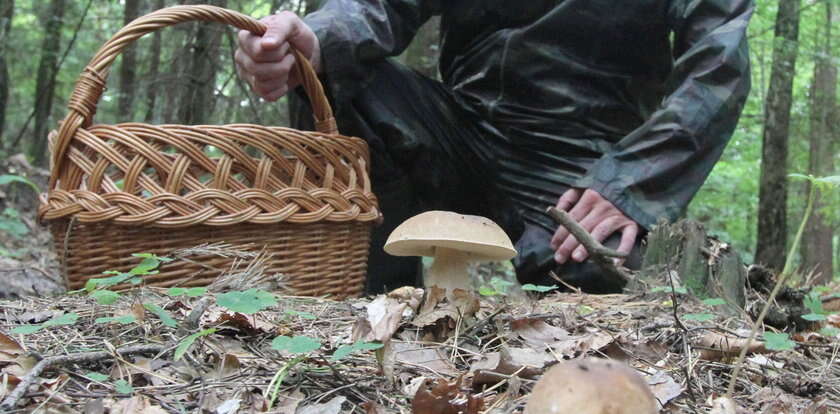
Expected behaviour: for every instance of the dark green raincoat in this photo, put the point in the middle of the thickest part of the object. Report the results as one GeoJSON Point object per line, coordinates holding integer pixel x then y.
{"type": "Point", "coordinates": [635, 99]}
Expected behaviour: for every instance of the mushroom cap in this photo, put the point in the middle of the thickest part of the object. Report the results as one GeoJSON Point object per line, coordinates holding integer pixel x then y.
{"type": "Point", "coordinates": [591, 386]}
{"type": "Point", "coordinates": [421, 234]}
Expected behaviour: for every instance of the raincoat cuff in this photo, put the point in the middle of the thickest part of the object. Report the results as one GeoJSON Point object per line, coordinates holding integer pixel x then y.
{"type": "Point", "coordinates": [630, 202]}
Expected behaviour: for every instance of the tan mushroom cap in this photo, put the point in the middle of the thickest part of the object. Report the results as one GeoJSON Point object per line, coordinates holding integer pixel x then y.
{"type": "Point", "coordinates": [591, 386]}
{"type": "Point", "coordinates": [480, 236]}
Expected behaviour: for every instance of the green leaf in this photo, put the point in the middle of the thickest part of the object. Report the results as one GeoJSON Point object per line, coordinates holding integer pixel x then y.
{"type": "Point", "coordinates": [700, 317]}
{"type": "Point", "coordinates": [185, 343]}
{"type": "Point", "coordinates": [105, 297]}
{"type": "Point", "coordinates": [680, 290]}
{"type": "Point", "coordinates": [190, 292]}
{"type": "Point", "coordinates": [27, 329]}
{"type": "Point", "coordinates": [161, 313]}
{"type": "Point", "coordinates": [829, 331]}
{"type": "Point", "coordinates": [814, 317]}
{"type": "Point", "coordinates": [501, 285]}
{"type": "Point", "coordinates": [584, 310]}
{"type": "Point", "coordinates": [714, 301]}
{"type": "Point", "coordinates": [123, 387]}
{"type": "Point", "coordinates": [801, 176]}
{"type": "Point", "coordinates": [66, 319]}
{"type": "Point", "coordinates": [778, 341]}
{"type": "Point", "coordinates": [9, 178]}
{"type": "Point", "coordinates": [93, 284]}
{"type": "Point", "coordinates": [295, 345]}
{"type": "Point", "coordinates": [303, 315]}
{"type": "Point", "coordinates": [122, 320]}
{"type": "Point", "coordinates": [153, 256]}
{"type": "Point", "coordinates": [95, 376]}
{"type": "Point", "coordinates": [345, 350]}
{"type": "Point", "coordinates": [813, 302]}
{"type": "Point", "coordinates": [833, 180]}
{"type": "Point", "coordinates": [248, 302]}
{"type": "Point", "coordinates": [146, 266]}
{"type": "Point", "coordinates": [538, 288]}
{"type": "Point", "coordinates": [487, 291]}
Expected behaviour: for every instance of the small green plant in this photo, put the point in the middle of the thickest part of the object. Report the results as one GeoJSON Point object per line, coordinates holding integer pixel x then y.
{"type": "Point", "coordinates": [497, 287]}
{"type": "Point", "coordinates": [189, 292]}
{"type": "Point", "coordinates": [11, 224]}
{"type": "Point", "coordinates": [123, 387]}
{"type": "Point", "coordinates": [714, 302]}
{"type": "Point", "coordinates": [162, 314]}
{"type": "Point", "coordinates": [187, 342]}
{"type": "Point", "coordinates": [248, 302]}
{"type": "Point", "coordinates": [538, 288]}
{"type": "Point", "coordinates": [65, 319]}
{"type": "Point", "coordinates": [679, 289]}
{"type": "Point", "coordinates": [699, 317]}
{"type": "Point", "coordinates": [300, 314]}
{"type": "Point", "coordinates": [122, 320]}
{"type": "Point", "coordinates": [95, 376]}
{"type": "Point", "coordinates": [148, 266]}
{"type": "Point", "coordinates": [359, 346]}
{"type": "Point", "coordinates": [778, 341]}
{"type": "Point", "coordinates": [813, 302]}
{"type": "Point", "coordinates": [301, 345]}
{"type": "Point", "coordinates": [7, 179]}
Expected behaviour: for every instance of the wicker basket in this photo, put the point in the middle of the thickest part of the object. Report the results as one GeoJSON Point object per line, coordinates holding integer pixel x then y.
{"type": "Point", "coordinates": [302, 197]}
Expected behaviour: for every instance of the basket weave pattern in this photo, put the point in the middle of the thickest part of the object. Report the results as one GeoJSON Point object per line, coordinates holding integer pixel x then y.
{"type": "Point", "coordinates": [303, 197]}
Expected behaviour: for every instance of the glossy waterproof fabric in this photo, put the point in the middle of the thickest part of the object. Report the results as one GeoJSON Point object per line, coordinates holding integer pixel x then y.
{"type": "Point", "coordinates": [633, 99]}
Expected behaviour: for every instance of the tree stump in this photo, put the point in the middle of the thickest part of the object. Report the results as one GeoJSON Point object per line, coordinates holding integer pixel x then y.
{"type": "Point", "coordinates": [706, 266]}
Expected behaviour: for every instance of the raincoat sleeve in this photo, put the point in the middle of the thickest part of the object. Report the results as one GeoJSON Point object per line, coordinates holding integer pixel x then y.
{"type": "Point", "coordinates": [354, 32]}
{"type": "Point", "coordinates": [656, 170]}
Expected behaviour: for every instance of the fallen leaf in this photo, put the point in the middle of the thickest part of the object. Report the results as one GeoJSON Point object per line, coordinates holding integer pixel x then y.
{"type": "Point", "coordinates": [723, 405]}
{"type": "Point", "coordinates": [664, 388]}
{"type": "Point", "coordinates": [374, 408]}
{"type": "Point", "coordinates": [383, 319]}
{"type": "Point", "coordinates": [333, 406]}
{"type": "Point", "coordinates": [537, 333]}
{"type": "Point", "coordinates": [433, 359]}
{"type": "Point", "coordinates": [227, 365]}
{"type": "Point", "coordinates": [138, 404]}
{"type": "Point", "coordinates": [715, 346]}
{"type": "Point", "coordinates": [228, 407]}
{"type": "Point", "coordinates": [9, 349]}
{"type": "Point", "coordinates": [138, 311]}
{"type": "Point", "coordinates": [11, 382]}
{"type": "Point", "coordinates": [460, 304]}
{"type": "Point", "coordinates": [408, 294]}
{"type": "Point", "coordinates": [444, 397]}
{"type": "Point", "coordinates": [819, 406]}
{"type": "Point", "coordinates": [288, 404]}
{"type": "Point", "coordinates": [527, 362]}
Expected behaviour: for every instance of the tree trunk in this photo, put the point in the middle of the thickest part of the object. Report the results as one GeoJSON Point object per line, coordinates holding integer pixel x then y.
{"type": "Point", "coordinates": [772, 206]}
{"type": "Point", "coordinates": [128, 67]}
{"type": "Point", "coordinates": [6, 14]}
{"type": "Point", "coordinates": [45, 83]}
{"type": "Point", "coordinates": [817, 251]}
{"type": "Point", "coordinates": [153, 84]}
{"type": "Point", "coordinates": [197, 101]}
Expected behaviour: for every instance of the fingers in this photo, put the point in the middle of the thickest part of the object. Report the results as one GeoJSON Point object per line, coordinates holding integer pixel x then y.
{"type": "Point", "coordinates": [265, 62]}
{"type": "Point", "coordinates": [571, 244]}
{"type": "Point", "coordinates": [628, 240]}
{"type": "Point", "coordinates": [581, 208]}
{"type": "Point", "coordinates": [569, 198]}
{"type": "Point", "coordinates": [600, 233]}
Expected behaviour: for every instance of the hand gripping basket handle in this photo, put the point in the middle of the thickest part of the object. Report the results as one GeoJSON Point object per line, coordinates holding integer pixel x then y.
{"type": "Point", "coordinates": [91, 83]}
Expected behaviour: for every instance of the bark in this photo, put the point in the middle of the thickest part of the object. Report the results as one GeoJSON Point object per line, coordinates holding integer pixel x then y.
{"type": "Point", "coordinates": [772, 209]}
{"type": "Point", "coordinates": [6, 14]}
{"type": "Point", "coordinates": [198, 99]}
{"type": "Point", "coordinates": [45, 83]}
{"type": "Point", "coordinates": [154, 71]}
{"type": "Point", "coordinates": [817, 251]}
{"type": "Point", "coordinates": [128, 67]}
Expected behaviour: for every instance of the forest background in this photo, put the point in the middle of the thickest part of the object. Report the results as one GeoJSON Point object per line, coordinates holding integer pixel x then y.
{"type": "Point", "coordinates": [185, 75]}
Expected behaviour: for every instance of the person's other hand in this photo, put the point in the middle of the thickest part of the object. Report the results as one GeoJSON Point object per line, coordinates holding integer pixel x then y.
{"type": "Point", "coordinates": [266, 63]}
{"type": "Point", "coordinates": [597, 216]}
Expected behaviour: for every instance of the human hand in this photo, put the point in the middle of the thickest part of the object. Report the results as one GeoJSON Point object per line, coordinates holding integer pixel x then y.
{"type": "Point", "coordinates": [265, 61]}
{"type": "Point", "coordinates": [597, 216]}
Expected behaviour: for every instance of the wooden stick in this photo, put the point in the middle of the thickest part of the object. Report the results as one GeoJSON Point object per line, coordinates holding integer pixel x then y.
{"type": "Point", "coordinates": [603, 256]}
{"type": "Point", "coordinates": [11, 401]}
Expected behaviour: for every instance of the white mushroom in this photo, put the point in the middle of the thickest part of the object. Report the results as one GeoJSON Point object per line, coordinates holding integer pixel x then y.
{"type": "Point", "coordinates": [453, 240]}
{"type": "Point", "coordinates": [591, 386]}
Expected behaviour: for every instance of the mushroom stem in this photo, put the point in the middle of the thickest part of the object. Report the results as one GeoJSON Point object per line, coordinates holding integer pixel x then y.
{"type": "Point", "coordinates": [449, 270]}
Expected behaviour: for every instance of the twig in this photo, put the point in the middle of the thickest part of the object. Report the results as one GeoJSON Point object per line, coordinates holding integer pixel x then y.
{"type": "Point", "coordinates": [600, 254]}
{"type": "Point", "coordinates": [564, 283]}
{"type": "Point", "coordinates": [11, 401]}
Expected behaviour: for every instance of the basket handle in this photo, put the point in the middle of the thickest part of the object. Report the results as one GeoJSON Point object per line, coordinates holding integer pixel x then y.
{"type": "Point", "coordinates": [91, 83]}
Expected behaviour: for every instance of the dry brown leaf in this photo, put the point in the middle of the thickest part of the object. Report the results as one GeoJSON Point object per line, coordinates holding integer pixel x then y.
{"type": "Point", "coordinates": [444, 397]}
{"type": "Point", "coordinates": [227, 365]}
{"type": "Point", "coordinates": [138, 404]}
{"type": "Point", "coordinates": [429, 358]}
{"type": "Point", "coordinates": [819, 406]}
{"type": "Point", "coordinates": [537, 333]}
{"type": "Point", "coordinates": [138, 311]}
{"type": "Point", "coordinates": [333, 406]}
{"type": "Point", "coordinates": [9, 349]}
{"type": "Point", "coordinates": [646, 350]}
{"type": "Point", "coordinates": [527, 362]}
{"type": "Point", "coordinates": [383, 319]}
{"type": "Point", "coordinates": [409, 295]}
{"type": "Point", "coordinates": [94, 406]}
{"type": "Point", "coordinates": [438, 307]}
{"type": "Point", "coordinates": [374, 408]}
{"type": "Point", "coordinates": [664, 388]}
{"type": "Point", "coordinates": [288, 404]}
{"type": "Point", "coordinates": [11, 382]}
{"type": "Point", "coordinates": [715, 346]}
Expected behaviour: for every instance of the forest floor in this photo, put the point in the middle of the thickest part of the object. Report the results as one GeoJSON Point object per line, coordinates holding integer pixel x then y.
{"type": "Point", "coordinates": [153, 350]}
